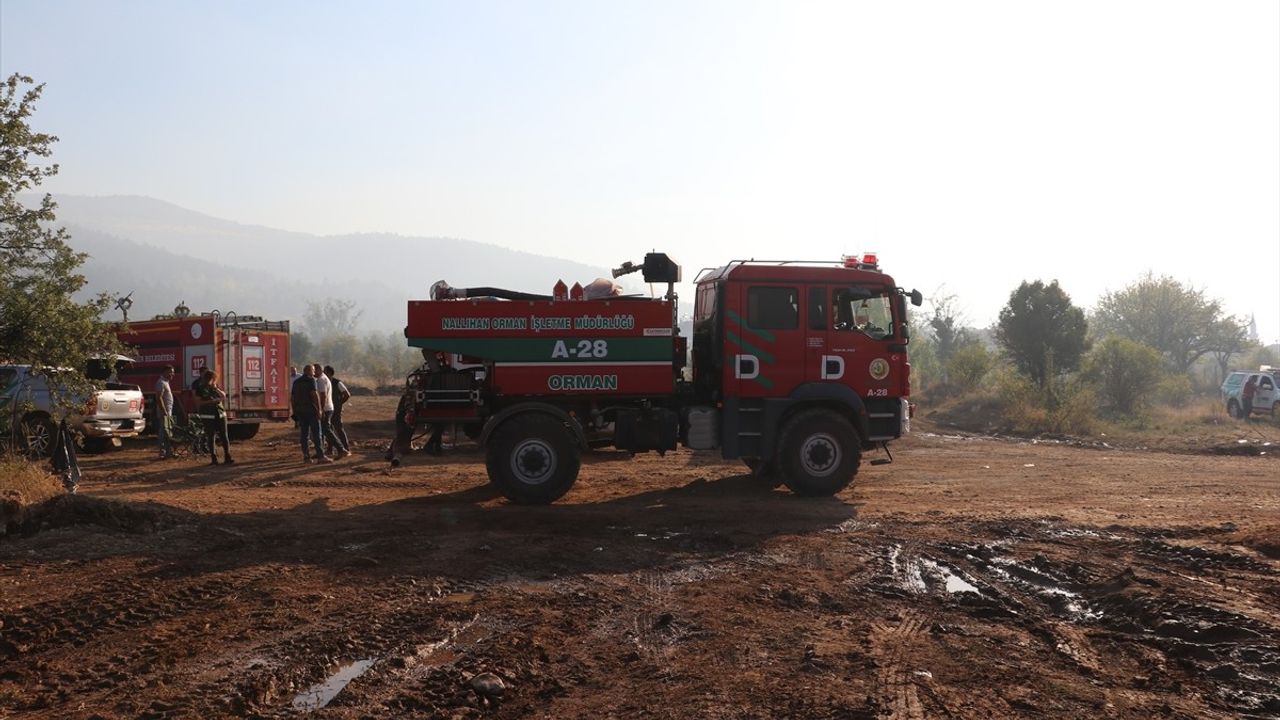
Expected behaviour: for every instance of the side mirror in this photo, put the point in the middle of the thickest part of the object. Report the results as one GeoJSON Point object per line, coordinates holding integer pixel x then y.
{"type": "Point", "coordinates": [916, 298]}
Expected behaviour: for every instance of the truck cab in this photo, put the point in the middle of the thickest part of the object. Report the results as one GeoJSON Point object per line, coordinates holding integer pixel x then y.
{"type": "Point", "coordinates": [774, 341]}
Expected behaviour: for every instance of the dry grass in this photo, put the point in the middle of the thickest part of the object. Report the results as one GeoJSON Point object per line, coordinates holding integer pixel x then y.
{"type": "Point", "coordinates": [22, 485]}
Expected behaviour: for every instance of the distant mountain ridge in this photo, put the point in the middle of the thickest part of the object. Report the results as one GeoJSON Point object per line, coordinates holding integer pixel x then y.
{"type": "Point", "coordinates": [165, 254]}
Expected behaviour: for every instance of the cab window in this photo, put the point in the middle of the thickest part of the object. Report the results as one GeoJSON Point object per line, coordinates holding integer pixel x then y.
{"type": "Point", "coordinates": [818, 308]}
{"type": "Point", "coordinates": [703, 303]}
{"type": "Point", "coordinates": [773, 308]}
{"type": "Point", "coordinates": [870, 316]}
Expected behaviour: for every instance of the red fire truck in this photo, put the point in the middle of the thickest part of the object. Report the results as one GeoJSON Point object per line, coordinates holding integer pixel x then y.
{"type": "Point", "coordinates": [249, 354]}
{"type": "Point", "coordinates": [798, 368]}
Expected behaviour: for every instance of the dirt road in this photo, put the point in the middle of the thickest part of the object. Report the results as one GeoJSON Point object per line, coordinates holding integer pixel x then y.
{"type": "Point", "coordinates": [971, 578]}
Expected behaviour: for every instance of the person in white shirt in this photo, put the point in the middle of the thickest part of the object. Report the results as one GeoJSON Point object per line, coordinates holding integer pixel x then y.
{"type": "Point", "coordinates": [340, 397]}
{"type": "Point", "coordinates": [164, 411]}
{"type": "Point", "coordinates": [324, 387]}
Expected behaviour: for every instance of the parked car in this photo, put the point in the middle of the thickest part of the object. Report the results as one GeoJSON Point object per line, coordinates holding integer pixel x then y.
{"type": "Point", "coordinates": [1266, 397]}
{"type": "Point", "coordinates": [30, 410]}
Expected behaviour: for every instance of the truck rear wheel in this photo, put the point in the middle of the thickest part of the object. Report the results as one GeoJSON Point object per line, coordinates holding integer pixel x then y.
{"type": "Point", "coordinates": [532, 459]}
{"type": "Point", "coordinates": [819, 453]}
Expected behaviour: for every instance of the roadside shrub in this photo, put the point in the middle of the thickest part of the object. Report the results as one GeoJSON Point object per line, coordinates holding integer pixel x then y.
{"type": "Point", "coordinates": [1174, 390]}
{"type": "Point", "coordinates": [1063, 407]}
{"type": "Point", "coordinates": [1075, 411]}
{"type": "Point", "coordinates": [968, 366]}
{"type": "Point", "coordinates": [1124, 373]}
{"type": "Point", "coordinates": [1020, 401]}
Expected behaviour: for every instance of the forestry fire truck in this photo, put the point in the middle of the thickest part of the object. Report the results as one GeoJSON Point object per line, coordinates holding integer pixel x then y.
{"type": "Point", "coordinates": [249, 354]}
{"type": "Point", "coordinates": [797, 368]}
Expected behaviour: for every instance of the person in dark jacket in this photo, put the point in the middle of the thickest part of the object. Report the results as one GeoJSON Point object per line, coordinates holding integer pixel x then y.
{"type": "Point", "coordinates": [306, 408]}
{"type": "Point", "coordinates": [1247, 394]}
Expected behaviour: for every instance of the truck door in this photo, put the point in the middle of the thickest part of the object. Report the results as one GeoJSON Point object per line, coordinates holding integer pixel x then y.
{"type": "Point", "coordinates": [232, 369]}
{"type": "Point", "coordinates": [765, 340]}
{"type": "Point", "coordinates": [863, 348]}
{"type": "Point", "coordinates": [821, 365]}
{"type": "Point", "coordinates": [1266, 396]}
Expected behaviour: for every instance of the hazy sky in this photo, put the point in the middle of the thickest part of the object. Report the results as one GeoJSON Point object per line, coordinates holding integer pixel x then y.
{"type": "Point", "coordinates": [972, 144]}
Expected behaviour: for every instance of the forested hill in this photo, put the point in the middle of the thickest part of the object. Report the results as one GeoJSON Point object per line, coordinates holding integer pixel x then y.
{"type": "Point", "coordinates": [165, 254]}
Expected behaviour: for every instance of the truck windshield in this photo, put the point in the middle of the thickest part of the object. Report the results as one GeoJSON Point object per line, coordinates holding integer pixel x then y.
{"type": "Point", "coordinates": [871, 316]}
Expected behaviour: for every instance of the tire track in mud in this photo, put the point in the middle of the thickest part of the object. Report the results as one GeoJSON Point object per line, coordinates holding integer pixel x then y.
{"type": "Point", "coordinates": [132, 635]}
{"type": "Point", "coordinates": [892, 641]}
{"type": "Point", "coordinates": [110, 608]}
{"type": "Point", "coordinates": [1088, 586]}
{"type": "Point", "coordinates": [386, 623]}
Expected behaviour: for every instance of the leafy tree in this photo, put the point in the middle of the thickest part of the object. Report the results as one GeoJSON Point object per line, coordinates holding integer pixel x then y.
{"type": "Point", "coordinates": [1175, 319]}
{"type": "Point", "coordinates": [40, 323]}
{"type": "Point", "coordinates": [926, 370]}
{"type": "Point", "coordinates": [1125, 372]}
{"type": "Point", "coordinates": [301, 347]}
{"type": "Point", "coordinates": [333, 317]}
{"type": "Point", "coordinates": [948, 328]}
{"type": "Point", "coordinates": [1041, 331]}
{"type": "Point", "coordinates": [387, 358]}
{"type": "Point", "coordinates": [1228, 337]}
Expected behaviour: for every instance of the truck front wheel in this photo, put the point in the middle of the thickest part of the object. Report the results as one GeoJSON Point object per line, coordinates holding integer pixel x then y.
{"type": "Point", "coordinates": [532, 459]}
{"type": "Point", "coordinates": [819, 453]}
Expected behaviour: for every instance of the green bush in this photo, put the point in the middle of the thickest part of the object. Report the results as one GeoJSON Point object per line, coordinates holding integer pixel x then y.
{"type": "Point", "coordinates": [969, 366]}
{"type": "Point", "coordinates": [1075, 411]}
{"type": "Point", "coordinates": [1174, 390]}
{"type": "Point", "coordinates": [1124, 373]}
{"type": "Point", "coordinates": [1065, 406]}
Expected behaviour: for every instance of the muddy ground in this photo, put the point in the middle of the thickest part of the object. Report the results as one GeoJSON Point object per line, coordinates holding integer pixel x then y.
{"type": "Point", "coordinates": [974, 577]}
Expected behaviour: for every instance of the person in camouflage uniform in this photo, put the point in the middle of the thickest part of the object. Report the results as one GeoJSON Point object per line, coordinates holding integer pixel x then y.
{"type": "Point", "coordinates": [215, 417]}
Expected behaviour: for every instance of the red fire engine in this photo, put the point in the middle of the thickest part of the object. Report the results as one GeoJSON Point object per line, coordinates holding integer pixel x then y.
{"type": "Point", "coordinates": [797, 368]}
{"type": "Point", "coordinates": [249, 354]}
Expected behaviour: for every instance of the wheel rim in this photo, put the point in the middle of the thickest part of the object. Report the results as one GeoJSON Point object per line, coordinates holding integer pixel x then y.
{"type": "Point", "coordinates": [39, 440]}
{"type": "Point", "coordinates": [533, 462]}
{"type": "Point", "coordinates": [820, 455]}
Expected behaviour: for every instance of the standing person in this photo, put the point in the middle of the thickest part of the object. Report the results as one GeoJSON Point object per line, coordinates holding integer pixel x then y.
{"type": "Point", "coordinates": [164, 411]}
{"type": "Point", "coordinates": [293, 378]}
{"type": "Point", "coordinates": [1246, 395]}
{"type": "Point", "coordinates": [324, 387]}
{"type": "Point", "coordinates": [215, 424]}
{"type": "Point", "coordinates": [307, 409]}
{"type": "Point", "coordinates": [340, 397]}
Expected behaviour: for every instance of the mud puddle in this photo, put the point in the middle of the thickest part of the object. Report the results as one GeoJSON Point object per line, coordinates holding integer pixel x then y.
{"type": "Point", "coordinates": [322, 693]}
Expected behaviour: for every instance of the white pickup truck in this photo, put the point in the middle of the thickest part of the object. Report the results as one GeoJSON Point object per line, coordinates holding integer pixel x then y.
{"type": "Point", "coordinates": [30, 412]}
